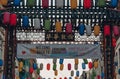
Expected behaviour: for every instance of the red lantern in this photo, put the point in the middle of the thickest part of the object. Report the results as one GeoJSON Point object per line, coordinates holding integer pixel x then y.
{"type": "Point", "coordinates": [87, 4]}
{"type": "Point", "coordinates": [107, 30]}
{"type": "Point", "coordinates": [90, 65]}
{"type": "Point", "coordinates": [113, 42]}
{"type": "Point", "coordinates": [115, 30]}
{"type": "Point", "coordinates": [6, 17]}
{"type": "Point", "coordinates": [98, 77]}
{"type": "Point", "coordinates": [13, 19]}
{"type": "Point", "coordinates": [48, 66]}
{"type": "Point", "coordinates": [31, 70]}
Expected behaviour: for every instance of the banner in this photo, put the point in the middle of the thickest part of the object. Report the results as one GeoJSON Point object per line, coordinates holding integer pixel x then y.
{"type": "Point", "coordinates": [58, 51]}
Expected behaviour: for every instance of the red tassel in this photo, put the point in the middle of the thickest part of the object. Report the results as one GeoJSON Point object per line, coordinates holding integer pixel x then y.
{"type": "Point", "coordinates": [68, 28]}
{"type": "Point", "coordinates": [113, 42]}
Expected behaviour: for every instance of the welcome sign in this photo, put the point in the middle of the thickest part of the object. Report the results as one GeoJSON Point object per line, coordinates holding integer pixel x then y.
{"type": "Point", "coordinates": [58, 51]}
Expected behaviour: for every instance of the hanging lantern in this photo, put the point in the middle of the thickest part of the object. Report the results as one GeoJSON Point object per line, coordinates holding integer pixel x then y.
{"type": "Point", "coordinates": [6, 18]}
{"type": "Point", "coordinates": [94, 73]}
{"type": "Point", "coordinates": [90, 65]}
{"type": "Point", "coordinates": [85, 61]}
{"type": "Point", "coordinates": [69, 66]}
{"type": "Point", "coordinates": [54, 61]}
{"type": "Point", "coordinates": [119, 71]}
{"type": "Point", "coordinates": [87, 4]}
{"type": "Point", "coordinates": [4, 2]}
{"type": "Point", "coordinates": [73, 4]}
{"type": "Point", "coordinates": [56, 72]}
{"type": "Point", "coordinates": [102, 75]}
{"type": "Point", "coordinates": [75, 66]}
{"type": "Point", "coordinates": [47, 24]}
{"type": "Point", "coordinates": [116, 30]}
{"type": "Point", "coordinates": [58, 26]}
{"type": "Point", "coordinates": [98, 76]}
{"type": "Point", "coordinates": [72, 73]}
{"type": "Point", "coordinates": [21, 64]}
{"type": "Point", "coordinates": [76, 61]}
{"type": "Point", "coordinates": [101, 3]}
{"type": "Point", "coordinates": [41, 66]}
{"type": "Point", "coordinates": [96, 30]}
{"type": "Point", "coordinates": [31, 3]}
{"type": "Point", "coordinates": [27, 69]}
{"type": "Point", "coordinates": [68, 28]}
{"type": "Point", "coordinates": [81, 29]}
{"type": "Point", "coordinates": [16, 2]}
{"type": "Point", "coordinates": [77, 73]}
{"type": "Point", "coordinates": [61, 61]}
{"type": "Point", "coordinates": [61, 66]}
{"type": "Point", "coordinates": [48, 66]}
{"type": "Point", "coordinates": [1, 62]}
{"type": "Point", "coordinates": [54, 67]}
{"type": "Point", "coordinates": [45, 3]}
{"type": "Point", "coordinates": [25, 22]}
{"type": "Point", "coordinates": [96, 64]}
{"type": "Point", "coordinates": [65, 77]}
{"type": "Point", "coordinates": [83, 66]}
{"type": "Point", "coordinates": [36, 23]}
{"type": "Point", "coordinates": [107, 30]}
{"type": "Point", "coordinates": [13, 19]}
{"type": "Point", "coordinates": [31, 70]}
{"type": "Point", "coordinates": [113, 42]}
{"type": "Point", "coordinates": [88, 30]}
{"type": "Point", "coordinates": [59, 3]}
{"type": "Point", "coordinates": [114, 3]}
{"type": "Point", "coordinates": [34, 66]}
{"type": "Point", "coordinates": [70, 77]}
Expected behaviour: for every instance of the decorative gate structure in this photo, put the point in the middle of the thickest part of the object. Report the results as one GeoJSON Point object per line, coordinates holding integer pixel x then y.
{"type": "Point", "coordinates": [64, 24]}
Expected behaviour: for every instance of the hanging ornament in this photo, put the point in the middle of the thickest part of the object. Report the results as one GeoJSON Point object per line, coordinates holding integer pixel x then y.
{"type": "Point", "coordinates": [48, 66]}
{"type": "Point", "coordinates": [90, 65]}
{"type": "Point", "coordinates": [96, 30]}
{"type": "Point", "coordinates": [21, 64]}
{"type": "Point", "coordinates": [47, 24]}
{"type": "Point", "coordinates": [114, 42]}
{"type": "Point", "coordinates": [77, 73]}
{"type": "Point", "coordinates": [75, 66]}
{"type": "Point", "coordinates": [58, 26]}
{"type": "Point", "coordinates": [72, 73]}
{"type": "Point", "coordinates": [87, 4]}
{"type": "Point", "coordinates": [61, 61]}
{"type": "Point", "coordinates": [76, 60]}
{"type": "Point", "coordinates": [4, 2]}
{"type": "Point", "coordinates": [56, 72]}
{"type": "Point", "coordinates": [41, 66]}
{"type": "Point", "coordinates": [101, 3]}
{"type": "Point", "coordinates": [69, 66]}
{"type": "Point", "coordinates": [88, 30]}
{"type": "Point", "coordinates": [85, 61]}
{"type": "Point", "coordinates": [31, 70]}
{"type": "Point", "coordinates": [73, 4]}
{"type": "Point", "coordinates": [6, 18]}
{"type": "Point", "coordinates": [16, 2]}
{"type": "Point", "coordinates": [45, 3]}
{"type": "Point", "coordinates": [34, 66]}
{"type": "Point", "coordinates": [13, 19]}
{"type": "Point", "coordinates": [61, 66]}
{"type": "Point", "coordinates": [54, 67]}
{"type": "Point", "coordinates": [96, 64]}
{"type": "Point", "coordinates": [68, 28]}
{"type": "Point", "coordinates": [31, 3]}
{"type": "Point", "coordinates": [107, 30]}
{"type": "Point", "coordinates": [36, 23]}
{"type": "Point", "coordinates": [81, 29]}
{"type": "Point", "coordinates": [116, 30]}
{"type": "Point", "coordinates": [83, 66]}
{"type": "Point", "coordinates": [59, 3]}
{"type": "Point", "coordinates": [114, 3]}
{"type": "Point", "coordinates": [25, 22]}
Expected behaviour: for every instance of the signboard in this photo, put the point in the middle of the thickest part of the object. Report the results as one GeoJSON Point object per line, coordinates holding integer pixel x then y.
{"type": "Point", "coordinates": [58, 51]}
